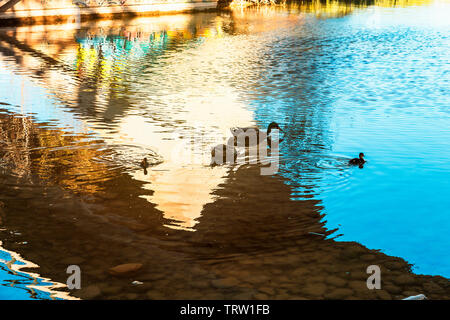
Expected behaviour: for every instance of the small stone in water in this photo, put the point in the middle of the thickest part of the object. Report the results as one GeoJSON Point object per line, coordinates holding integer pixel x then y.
{"type": "Point", "coordinates": [125, 269]}
{"type": "Point", "coordinates": [90, 292]}
{"type": "Point", "coordinates": [137, 282]}
{"type": "Point", "coordinates": [225, 283]}
{"type": "Point", "coordinates": [404, 280]}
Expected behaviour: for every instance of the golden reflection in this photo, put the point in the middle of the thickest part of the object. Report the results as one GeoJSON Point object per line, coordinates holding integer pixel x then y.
{"type": "Point", "coordinates": [403, 3]}
{"type": "Point", "coordinates": [51, 154]}
{"type": "Point", "coordinates": [321, 8]}
{"type": "Point", "coordinates": [183, 183]}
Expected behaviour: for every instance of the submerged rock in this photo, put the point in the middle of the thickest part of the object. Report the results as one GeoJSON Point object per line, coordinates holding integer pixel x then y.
{"type": "Point", "coordinates": [314, 289]}
{"type": "Point", "coordinates": [225, 283]}
{"type": "Point", "coordinates": [404, 279]}
{"type": "Point", "coordinates": [336, 281]}
{"type": "Point", "coordinates": [394, 265]}
{"type": "Point", "coordinates": [267, 290]}
{"type": "Point", "coordinates": [155, 295]}
{"type": "Point", "coordinates": [383, 295]}
{"type": "Point", "coordinates": [125, 269]}
{"type": "Point", "coordinates": [261, 296]}
{"type": "Point", "coordinates": [393, 289]}
{"type": "Point", "coordinates": [433, 288]}
{"type": "Point", "coordinates": [110, 290]}
{"type": "Point", "coordinates": [90, 292]}
{"type": "Point", "coordinates": [339, 294]}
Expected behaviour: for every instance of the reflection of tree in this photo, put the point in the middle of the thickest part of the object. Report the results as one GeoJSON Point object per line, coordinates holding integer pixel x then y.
{"type": "Point", "coordinates": [325, 8]}
{"type": "Point", "coordinates": [15, 134]}
{"type": "Point", "coordinates": [50, 154]}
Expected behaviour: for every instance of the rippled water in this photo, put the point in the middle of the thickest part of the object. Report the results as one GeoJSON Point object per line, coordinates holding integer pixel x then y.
{"type": "Point", "coordinates": [377, 82]}
{"type": "Point", "coordinates": [81, 106]}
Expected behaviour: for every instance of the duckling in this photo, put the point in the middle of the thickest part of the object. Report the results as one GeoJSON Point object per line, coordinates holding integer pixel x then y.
{"type": "Point", "coordinates": [238, 131]}
{"type": "Point", "coordinates": [145, 165]}
{"type": "Point", "coordinates": [358, 161]}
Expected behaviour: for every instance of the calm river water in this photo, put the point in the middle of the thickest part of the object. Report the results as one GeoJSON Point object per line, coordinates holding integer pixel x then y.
{"type": "Point", "coordinates": [82, 105]}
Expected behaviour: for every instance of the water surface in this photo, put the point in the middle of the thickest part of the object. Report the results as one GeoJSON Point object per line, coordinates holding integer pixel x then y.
{"type": "Point", "coordinates": [82, 105]}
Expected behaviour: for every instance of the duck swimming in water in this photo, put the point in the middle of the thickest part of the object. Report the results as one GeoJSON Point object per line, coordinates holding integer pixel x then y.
{"type": "Point", "coordinates": [145, 165]}
{"type": "Point", "coordinates": [246, 132]}
{"type": "Point", "coordinates": [358, 161]}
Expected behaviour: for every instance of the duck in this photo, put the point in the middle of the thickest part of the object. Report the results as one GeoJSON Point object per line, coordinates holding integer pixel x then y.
{"type": "Point", "coordinates": [219, 153]}
{"type": "Point", "coordinates": [145, 165]}
{"type": "Point", "coordinates": [358, 161]}
{"type": "Point", "coordinates": [238, 131]}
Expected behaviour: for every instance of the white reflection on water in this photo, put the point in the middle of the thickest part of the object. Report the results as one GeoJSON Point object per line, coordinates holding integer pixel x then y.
{"type": "Point", "coordinates": [32, 285]}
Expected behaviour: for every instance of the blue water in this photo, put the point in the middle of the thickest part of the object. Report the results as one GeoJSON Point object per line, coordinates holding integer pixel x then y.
{"type": "Point", "coordinates": [376, 82]}
{"type": "Point", "coordinates": [17, 285]}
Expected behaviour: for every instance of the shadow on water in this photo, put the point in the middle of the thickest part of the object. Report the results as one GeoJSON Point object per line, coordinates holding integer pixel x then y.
{"type": "Point", "coordinates": [116, 91]}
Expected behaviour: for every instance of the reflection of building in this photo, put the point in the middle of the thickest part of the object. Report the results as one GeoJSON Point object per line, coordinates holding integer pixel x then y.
{"type": "Point", "coordinates": [52, 155]}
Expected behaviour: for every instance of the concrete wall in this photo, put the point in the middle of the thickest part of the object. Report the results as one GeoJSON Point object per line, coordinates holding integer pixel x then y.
{"type": "Point", "coordinates": [35, 11]}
